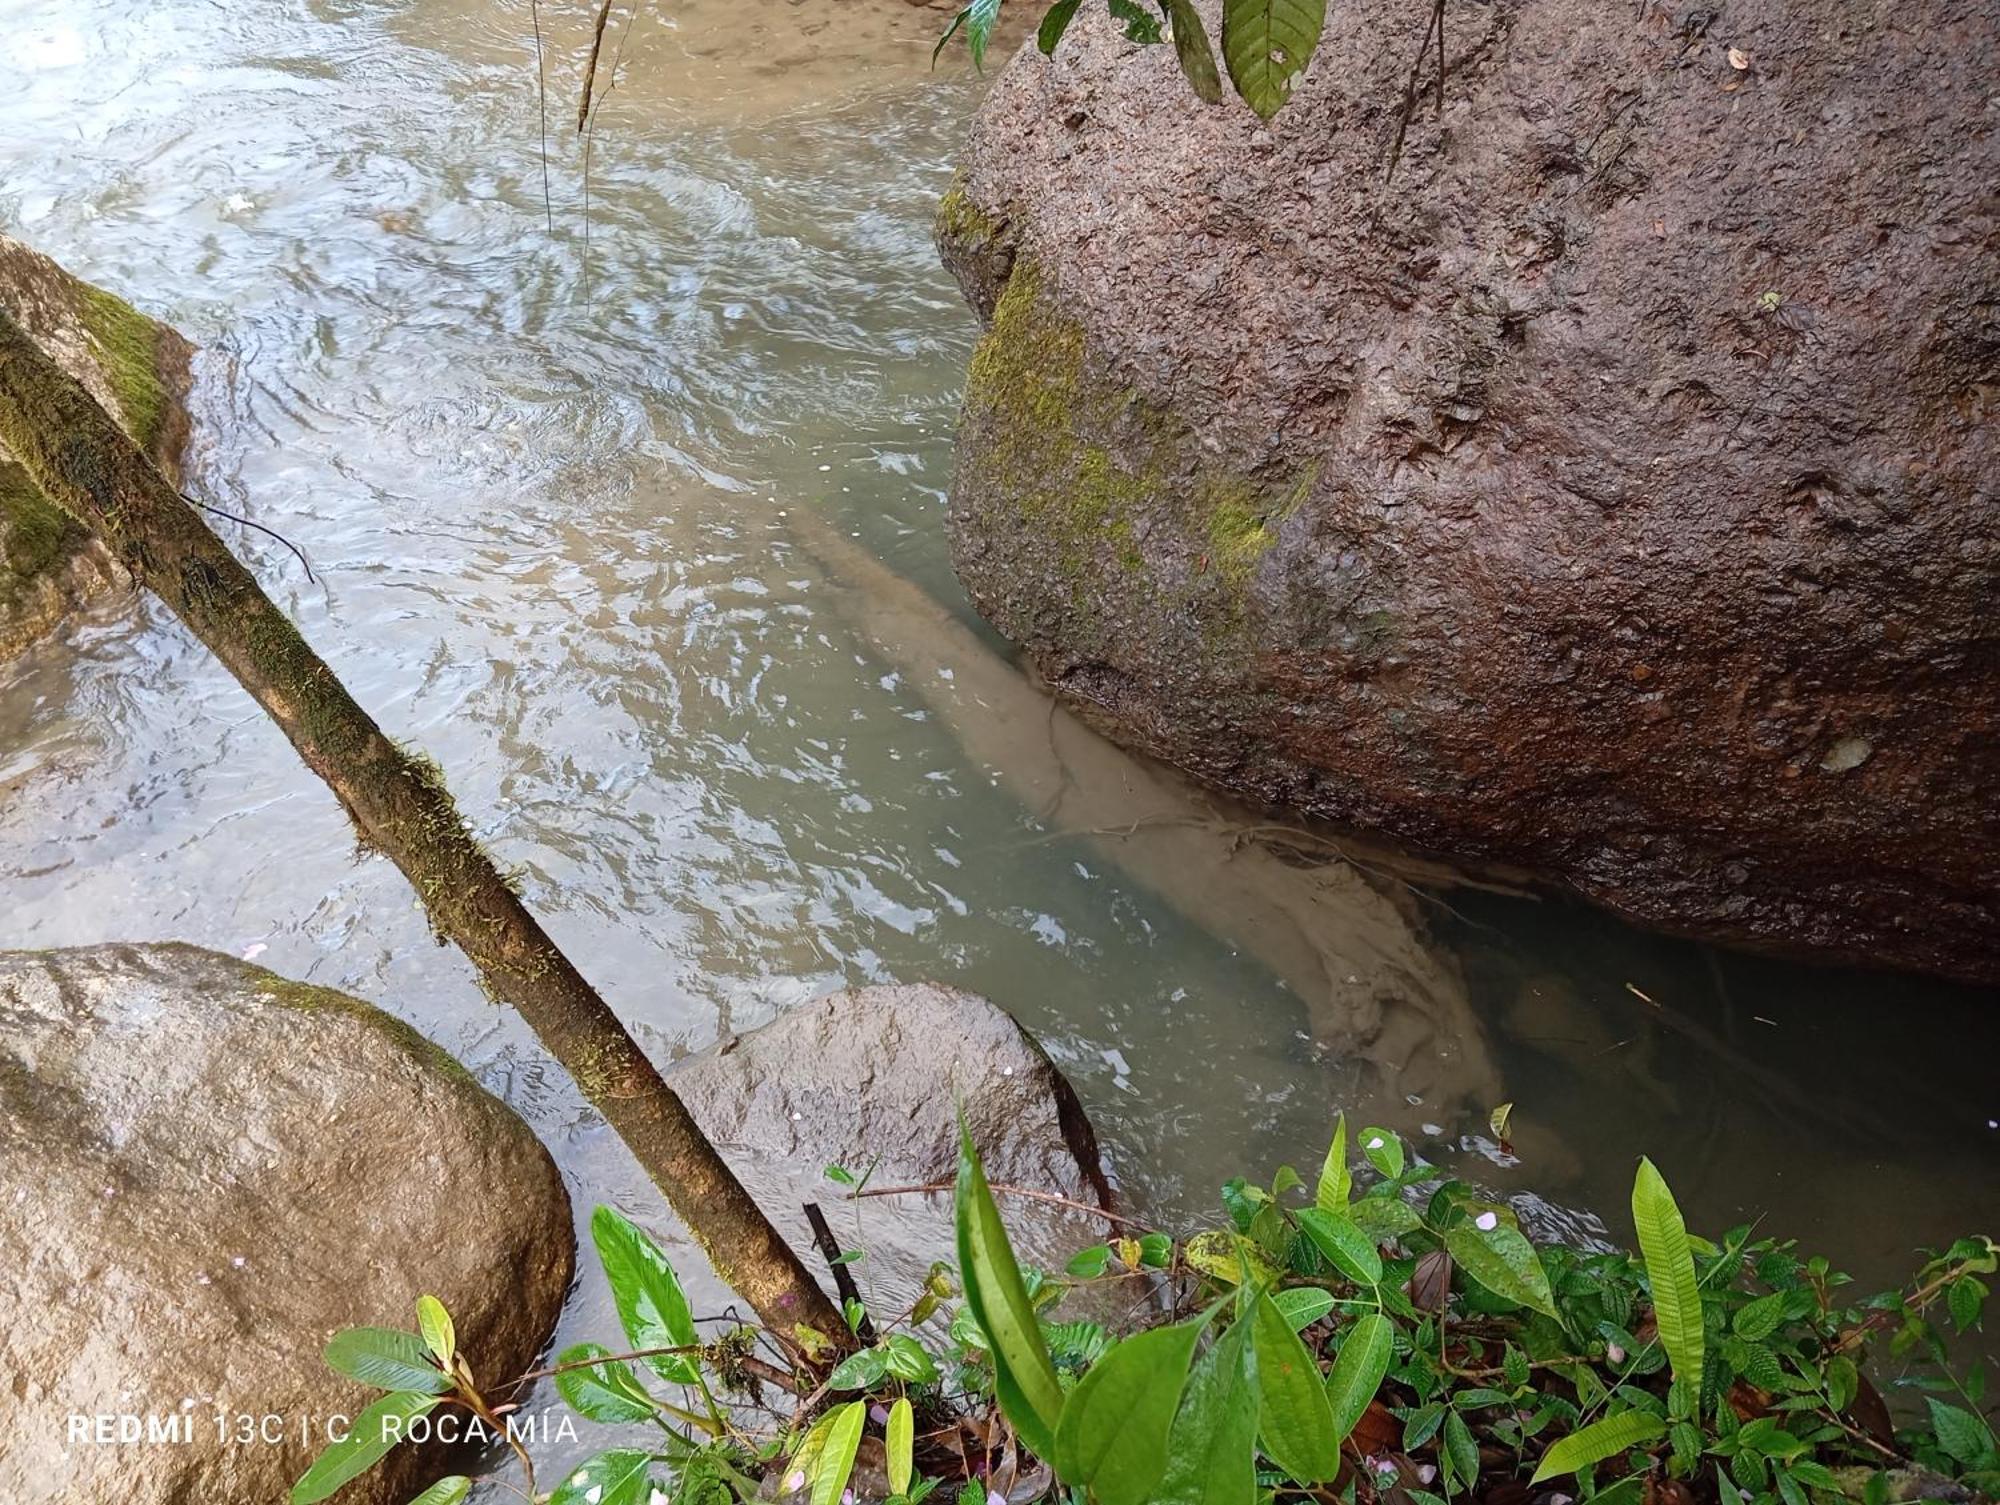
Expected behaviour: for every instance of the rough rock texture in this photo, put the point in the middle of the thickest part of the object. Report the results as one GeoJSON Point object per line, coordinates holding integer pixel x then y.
{"type": "Point", "coordinates": [1613, 493]}
{"type": "Point", "coordinates": [205, 1170]}
{"type": "Point", "coordinates": [868, 1078]}
{"type": "Point", "coordinates": [138, 369]}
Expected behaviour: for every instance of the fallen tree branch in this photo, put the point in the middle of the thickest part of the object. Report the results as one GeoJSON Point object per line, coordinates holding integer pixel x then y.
{"type": "Point", "coordinates": [84, 463]}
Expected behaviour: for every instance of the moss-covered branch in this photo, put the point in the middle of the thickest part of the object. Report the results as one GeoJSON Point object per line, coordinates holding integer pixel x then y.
{"type": "Point", "coordinates": [82, 461]}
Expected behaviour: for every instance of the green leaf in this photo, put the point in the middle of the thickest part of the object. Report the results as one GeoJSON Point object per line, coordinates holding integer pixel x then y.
{"type": "Point", "coordinates": [1501, 1259]}
{"type": "Point", "coordinates": [979, 18]}
{"type": "Point", "coordinates": [1114, 1427]}
{"type": "Point", "coordinates": [1285, 1180]}
{"type": "Point", "coordinates": [1358, 1370]}
{"type": "Point", "coordinates": [1336, 1179]}
{"type": "Point", "coordinates": [834, 1464]}
{"type": "Point", "coordinates": [1304, 1305]}
{"type": "Point", "coordinates": [1515, 1365]}
{"type": "Point", "coordinates": [1141, 25]}
{"type": "Point", "coordinates": [1384, 1149]}
{"type": "Point", "coordinates": [1054, 24]}
{"type": "Point", "coordinates": [1965, 1298]}
{"type": "Point", "coordinates": [1191, 47]}
{"type": "Point", "coordinates": [899, 1444]}
{"type": "Point", "coordinates": [387, 1358]}
{"type": "Point", "coordinates": [1461, 1450]}
{"type": "Point", "coordinates": [1758, 1319]}
{"type": "Point", "coordinates": [1341, 1240]}
{"type": "Point", "coordinates": [1088, 1264]}
{"type": "Point", "coordinates": [619, 1476]}
{"type": "Point", "coordinates": [434, 1322]}
{"type": "Point", "coordinates": [1023, 1378]}
{"type": "Point", "coordinates": [1293, 1416]}
{"type": "Point", "coordinates": [1670, 1272]}
{"type": "Point", "coordinates": [607, 1392]}
{"type": "Point", "coordinates": [652, 1308]}
{"type": "Point", "coordinates": [908, 1361]}
{"type": "Point", "coordinates": [447, 1491]}
{"type": "Point", "coordinates": [1598, 1441]}
{"type": "Point", "coordinates": [859, 1371]}
{"type": "Point", "coordinates": [1267, 44]}
{"type": "Point", "coordinates": [1961, 1434]}
{"type": "Point", "coordinates": [1384, 1218]}
{"type": "Point", "coordinates": [1211, 1451]}
{"type": "Point", "coordinates": [378, 1428]}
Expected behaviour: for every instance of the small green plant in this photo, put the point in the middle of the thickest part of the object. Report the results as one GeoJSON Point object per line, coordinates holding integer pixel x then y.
{"type": "Point", "coordinates": [1402, 1343]}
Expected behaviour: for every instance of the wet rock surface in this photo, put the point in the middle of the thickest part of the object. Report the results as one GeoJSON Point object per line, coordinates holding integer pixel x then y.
{"type": "Point", "coordinates": [1610, 494]}
{"type": "Point", "coordinates": [138, 369]}
{"type": "Point", "coordinates": [208, 1170]}
{"type": "Point", "coordinates": [871, 1079]}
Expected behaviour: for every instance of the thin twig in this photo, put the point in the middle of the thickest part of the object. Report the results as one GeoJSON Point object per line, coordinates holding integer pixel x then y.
{"type": "Point", "coordinates": [843, 1278]}
{"type": "Point", "coordinates": [590, 68]}
{"type": "Point", "coordinates": [273, 532]}
{"type": "Point", "coordinates": [1012, 1191]}
{"type": "Point", "coordinates": [1434, 27]}
{"type": "Point", "coordinates": [542, 102]}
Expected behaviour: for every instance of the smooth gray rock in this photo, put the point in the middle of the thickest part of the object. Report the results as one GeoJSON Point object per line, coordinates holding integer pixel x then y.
{"type": "Point", "coordinates": [207, 1169]}
{"type": "Point", "coordinates": [871, 1077]}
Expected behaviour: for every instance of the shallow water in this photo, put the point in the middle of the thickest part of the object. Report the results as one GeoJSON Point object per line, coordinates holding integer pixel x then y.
{"type": "Point", "coordinates": [643, 542]}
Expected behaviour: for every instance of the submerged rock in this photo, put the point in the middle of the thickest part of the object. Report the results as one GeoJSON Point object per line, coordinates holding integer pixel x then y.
{"type": "Point", "coordinates": [208, 1169]}
{"type": "Point", "coordinates": [871, 1079]}
{"type": "Point", "coordinates": [138, 369]}
{"type": "Point", "coordinates": [1610, 495]}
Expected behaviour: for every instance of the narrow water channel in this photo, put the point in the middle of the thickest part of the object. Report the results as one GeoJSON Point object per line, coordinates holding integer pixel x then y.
{"type": "Point", "coordinates": [640, 534]}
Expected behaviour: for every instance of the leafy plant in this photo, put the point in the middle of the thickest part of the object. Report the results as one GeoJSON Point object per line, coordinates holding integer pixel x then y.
{"type": "Point", "coordinates": [1398, 1342]}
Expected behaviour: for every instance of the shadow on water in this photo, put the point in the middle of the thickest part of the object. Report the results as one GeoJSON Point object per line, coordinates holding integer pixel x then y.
{"type": "Point", "coordinates": [659, 576]}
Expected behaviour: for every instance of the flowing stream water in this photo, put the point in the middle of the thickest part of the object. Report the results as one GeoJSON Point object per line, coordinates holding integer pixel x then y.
{"type": "Point", "coordinates": [636, 524]}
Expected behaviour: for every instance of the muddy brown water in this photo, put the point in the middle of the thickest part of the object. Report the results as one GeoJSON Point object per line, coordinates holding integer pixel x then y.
{"type": "Point", "coordinates": [644, 544]}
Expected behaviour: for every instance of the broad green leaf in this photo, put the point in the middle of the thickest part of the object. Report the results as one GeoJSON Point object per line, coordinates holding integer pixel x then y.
{"type": "Point", "coordinates": [1336, 1177]}
{"type": "Point", "coordinates": [1461, 1450]}
{"type": "Point", "coordinates": [1088, 1264]}
{"type": "Point", "coordinates": [434, 1322]}
{"type": "Point", "coordinates": [1286, 1178]}
{"type": "Point", "coordinates": [1140, 24]}
{"type": "Point", "coordinates": [378, 1428]}
{"type": "Point", "coordinates": [1211, 1451]}
{"type": "Point", "coordinates": [621, 1476]}
{"type": "Point", "coordinates": [447, 1491]}
{"type": "Point", "coordinates": [1220, 1257]}
{"type": "Point", "coordinates": [1501, 1259]}
{"type": "Point", "coordinates": [834, 1465]}
{"type": "Point", "coordinates": [1023, 1378]}
{"type": "Point", "coordinates": [859, 1371]}
{"type": "Point", "coordinates": [1303, 1305]}
{"type": "Point", "coordinates": [1337, 1236]}
{"type": "Point", "coordinates": [1598, 1441]}
{"type": "Point", "coordinates": [1293, 1416]}
{"type": "Point", "coordinates": [1113, 1432]}
{"type": "Point", "coordinates": [898, 1445]}
{"type": "Point", "coordinates": [979, 18]}
{"type": "Point", "coordinates": [1054, 24]}
{"type": "Point", "coordinates": [1358, 1370]}
{"type": "Point", "coordinates": [387, 1358]}
{"type": "Point", "coordinates": [1758, 1319]}
{"type": "Point", "coordinates": [607, 1391]}
{"type": "Point", "coordinates": [1191, 47]}
{"type": "Point", "coordinates": [1384, 1149]}
{"type": "Point", "coordinates": [1663, 1241]}
{"type": "Point", "coordinates": [1384, 1218]}
{"type": "Point", "coordinates": [1267, 44]}
{"type": "Point", "coordinates": [1961, 1434]}
{"type": "Point", "coordinates": [908, 1361]}
{"type": "Point", "coordinates": [652, 1308]}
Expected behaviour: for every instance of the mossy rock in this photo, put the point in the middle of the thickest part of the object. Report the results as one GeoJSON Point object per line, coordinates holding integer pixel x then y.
{"type": "Point", "coordinates": [138, 368]}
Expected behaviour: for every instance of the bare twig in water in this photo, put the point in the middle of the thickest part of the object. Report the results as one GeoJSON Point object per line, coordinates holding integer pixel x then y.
{"type": "Point", "coordinates": [843, 1278]}
{"type": "Point", "coordinates": [542, 103]}
{"type": "Point", "coordinates": [1012, 1191]}
{"type": "Point", "coordinates": [590, 134]}
{"type": "Point", "coordinates": [1432, 28]}
{"type": "Point", "coordinates": [273, 532]}
{"type": "Point", "coordinates": [590, 68]}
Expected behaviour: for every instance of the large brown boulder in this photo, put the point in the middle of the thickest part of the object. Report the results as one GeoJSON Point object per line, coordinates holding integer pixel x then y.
{"type": "Point", "coordinates": [1611, 493]}
{"type": "Point", "coordinates": [135, 366]}
{"type": "Point", "coordinates": [207, 1171]}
